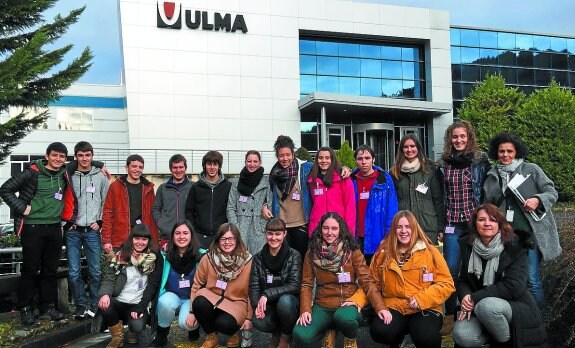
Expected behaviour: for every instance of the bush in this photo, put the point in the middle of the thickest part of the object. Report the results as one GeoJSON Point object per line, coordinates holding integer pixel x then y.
{"type": "Point", "coordinates": [345, 155]}
{"type": "Point", "coordinates": [303, 154]}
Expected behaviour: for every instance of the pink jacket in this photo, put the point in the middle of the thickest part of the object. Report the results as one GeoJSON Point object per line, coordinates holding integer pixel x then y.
{"type": "Point", "coordinates": [339, 198]}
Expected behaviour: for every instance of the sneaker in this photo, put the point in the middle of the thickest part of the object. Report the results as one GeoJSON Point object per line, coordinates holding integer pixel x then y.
{"type": "Point", "coordinates": [91, 311]}
{"type": "Point", "coordinates": [27, 316]}
{"type": "Point", "coordinates": [51, 314]}
{"type": "Point", "coordinates": [80, 312]}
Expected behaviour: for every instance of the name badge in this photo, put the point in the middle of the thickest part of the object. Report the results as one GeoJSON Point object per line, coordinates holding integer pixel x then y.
{"type": "Point", "coordinates": [221, 284]}
{"type": "Point", "coordinates": [422, 188]}
{"type": "Point", "coordinates": [344, 277]}
{"type": "Point", "coordinates": [138, 222]}
{"type": "Point", "coordinates": [270, 278]}
{"type": "Point", "coordinates": [427, 277]}
{"type": "Point", "coordinates": [296, 196]}
{"type": "Point", "coordinates": [318, 192]}
{"type": "Point", "coordinates": [243, 199]}
{"type": "Point", "coordinates": [364, 195]}
{"type": "Point", "coordinates": [90, 189]}
{"type": "Point", "coordinates": [185, 283]}
{"type": "Point", "coordinates": [58, 196]}
{"type": "Point", "coordinates": [449, 229]}
{"type": "Point", "coordinates": [509, 215]}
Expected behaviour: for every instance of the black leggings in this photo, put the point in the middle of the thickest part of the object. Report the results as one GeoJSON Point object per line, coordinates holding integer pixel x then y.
{"type": "Point", "coordinates": [121, 311]}
{"type": "Point", "coordinates": [423, 327]}
{"type": "Point", "coordinates": [213, 320]}
{"type": "Point", "coordinates": [298, 239]}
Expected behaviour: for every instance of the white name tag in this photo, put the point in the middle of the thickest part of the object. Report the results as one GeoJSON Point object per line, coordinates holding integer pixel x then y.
{"type": "Point", "coordinates": [449, 229]}
{"type": "Point", "coordinates": [317, 192]}
{"type": "Point", "coordinates": [138, 222]}
{"type": "Point", "coordinates": [184, 283]}
{"type": "Point", "coordinates": [344, 277]}
{"type": "Point", "coordinates": [90, 189]}
{"type": "Point", "coordinates": [296, 196]}
{"type": "Point", "coordinates": [422, 188]}
{"type": "Point", "coordinates": [427, 277]}
{"type": "Point", "coordinates": [509, 215]}
{"type": "Point", "coordinates": [221, 284]}
{"type": "Point", "coordinates": [364, 195]}
{"type": "Point", "coordinates": [58, 196]}
{"type": "Point", "coordinates": [270, 278]}
{"type": "Point", "coordinates": [243, 199]}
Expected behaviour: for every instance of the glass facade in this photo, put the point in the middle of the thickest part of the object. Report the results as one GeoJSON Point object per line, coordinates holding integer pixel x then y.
{"type": "Point", "coordinates": [526, 61]}
{"type": "Point", "coordinates": [353, 67]}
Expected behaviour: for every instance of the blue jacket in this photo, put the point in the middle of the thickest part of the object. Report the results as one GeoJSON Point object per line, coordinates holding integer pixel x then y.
{"type": "Point", "coordinates": [381, 207]}
{"type": "Point", "coordinates": [166, 272]}
{"type": "Point", "coordinates": [304, 170]}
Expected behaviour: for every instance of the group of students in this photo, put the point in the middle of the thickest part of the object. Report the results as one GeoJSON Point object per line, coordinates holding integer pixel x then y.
{"type": "Point", "coordinates": [365, 236]}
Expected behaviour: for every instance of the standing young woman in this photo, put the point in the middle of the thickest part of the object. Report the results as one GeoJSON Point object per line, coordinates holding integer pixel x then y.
{"type": "Point", "coordinates": [219, 298]}
{"type": "Point", "coordinates": [275, 282]}
{"type": "Point", "coordinates": [418, 186]}
{"type": "Point", "coordinates": [329, 192]}
{"type": "Point", "coordinates": [129, 284]}
{"type": "Point", "coordinates": [337, 267]}
{"type": "Point", "coordinates": [248, 194]}
{"type": "Point", "coordinates": [180, 261]}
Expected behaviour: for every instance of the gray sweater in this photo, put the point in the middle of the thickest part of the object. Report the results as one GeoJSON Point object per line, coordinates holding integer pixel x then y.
{"type": "Point", "coordinates": [90, 204]}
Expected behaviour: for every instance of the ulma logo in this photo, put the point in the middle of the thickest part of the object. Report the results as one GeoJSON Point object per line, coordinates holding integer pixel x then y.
{"type": "Point", "coordinates": [168, 17]}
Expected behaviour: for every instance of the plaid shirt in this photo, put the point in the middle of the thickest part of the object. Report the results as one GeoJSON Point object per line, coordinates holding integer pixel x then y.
{"type": "Point", "coordinates": [460, 200]}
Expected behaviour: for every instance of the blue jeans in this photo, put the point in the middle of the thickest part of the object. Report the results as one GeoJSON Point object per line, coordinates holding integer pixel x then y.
{"type": "Point", "coordinates": [281, 316]}
{"type": "Point", "coordinates": [534, 277]}
{"type": "Point", "coordinates": [452, 254]}
{"type": "Point", "coordinates": [91, 242]}
{"type": "Point", "coordinates": [168, 304]}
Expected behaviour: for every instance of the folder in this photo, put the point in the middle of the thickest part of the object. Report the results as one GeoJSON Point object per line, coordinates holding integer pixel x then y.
{"type": "Point", "coordinates": [524, 187]}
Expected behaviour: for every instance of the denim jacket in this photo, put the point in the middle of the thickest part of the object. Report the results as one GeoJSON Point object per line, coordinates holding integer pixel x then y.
{"type": "Point", "coordinates": [304, 170]}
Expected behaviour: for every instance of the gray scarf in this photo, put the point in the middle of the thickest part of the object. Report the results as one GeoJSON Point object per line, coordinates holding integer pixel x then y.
{"type": "Point", "coordinates": [505, 171]}
{"type": "Point", "coordinates": [410, 167]}
{"type": "Point", "coordinates": [490, 253]}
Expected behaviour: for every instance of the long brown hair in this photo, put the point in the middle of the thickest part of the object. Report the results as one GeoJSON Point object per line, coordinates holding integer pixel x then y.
{"type": "Point", "coordinates": [141, 230]}
{"type": "Point", "coordinates": [316, 239]}
{"type": "Point", "coordinates": [240, 249]}
{"type": "Point", "coordinates": [505, 228]}
{"type": "Point", "coordinates": [334, 166]}
{"type": "Point", "coordinates": [400, 158]}
{"type": "Point", "coordinates": [472, 146]}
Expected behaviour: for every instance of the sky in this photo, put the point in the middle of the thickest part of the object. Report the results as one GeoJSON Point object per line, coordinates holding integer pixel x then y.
{"type": "Point", "coordinates": [98, 26]}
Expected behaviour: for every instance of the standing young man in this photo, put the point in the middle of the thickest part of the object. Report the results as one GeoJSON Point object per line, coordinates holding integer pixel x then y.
{"type": "Point", "coordinates": [376, 201]}
{"type": "Point", "coordinates": [128, 203]}
{"type": "Point", "coordinates": [208, 199]}
{"type": "Point", "coordinates": [170, 204]}
{"type": "Point", "coordinates": [45, 198]}
{"type": "Point", "coordinates": [90, 186]}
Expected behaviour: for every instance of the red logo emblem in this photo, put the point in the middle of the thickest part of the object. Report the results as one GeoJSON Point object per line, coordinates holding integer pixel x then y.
{"type": "Point", "coordinates": [169, 8]}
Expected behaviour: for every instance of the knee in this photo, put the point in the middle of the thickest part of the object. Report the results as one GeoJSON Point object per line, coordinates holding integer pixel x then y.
{"type": "Point", "coordinates": [342, 318]}
{"type": "Point", "coordinates": [137, 325]}
{"type": "Point", "coordinates": [303, 335]}
{"type": "Point", "coordinates": [491, 308]}
{"type": "Point", "coordinates": [464, 337]}
{"type": "Point", "coordinates": [287, 300]}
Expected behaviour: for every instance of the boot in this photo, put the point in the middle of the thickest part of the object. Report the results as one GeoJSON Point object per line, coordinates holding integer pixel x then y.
{"type": "Point", "coordinates": [349, 342]}
{"type": "Point", "coordinates": [194, 335]}
{"type": "Point", "coordinates": [132, 337]}
{"type": "Point", "coordinates": [117, 332]}
{"type": "Point", "coordinates": [234, 340]}
{"type": "Point", "coordinates": [161, 338]}
{"type": "Point", "coordinates": [211, 341]}
{"type": "Point", "coordinates": [284, 341]}
{"type": "Point", "coordinates": [27, 316]}
{"type": "Point", "coordinates": [448, 322]}
{"type": "Point", "coordinates": [329, 339]}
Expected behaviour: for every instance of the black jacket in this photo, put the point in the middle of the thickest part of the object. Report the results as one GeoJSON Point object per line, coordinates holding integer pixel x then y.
{"type": "Point", "coordinates": [206, 208]}
{"type": "Point", "coordinates": [527, 326]}
{"type": "Point", "coordinates": [290, 276]}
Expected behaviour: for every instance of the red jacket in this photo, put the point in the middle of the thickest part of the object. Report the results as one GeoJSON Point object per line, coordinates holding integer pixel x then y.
{"type": "Point", "coordinates": [116, 215]}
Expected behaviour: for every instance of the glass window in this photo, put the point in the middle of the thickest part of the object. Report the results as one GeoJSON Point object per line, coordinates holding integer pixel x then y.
{"type": "Point", "coordinates": [469, 55]}
{"type": "Point", "coordinates": [509, 74]}
{"type": "Point", "coordinates": [506, 40]}
{"type": "Point", "coordinates": [470, 73]}
{"type": "Point", "coordinates": [488, 39]}
{"type": "Point", "coordinates": [466, 89]}
{"type": "Point", "coordinates": [542, 60]}
{"type": "Point", "coordinates": [456, 72]}
{"type": "Point", "coordinates": [488, 56]}
{"type": "Point", "coordinates": [410, 70]}
{"type": "Point", "coordinates": [456, 91]}
{"type": "Point", "coordinates": [508, 58]}
{"type": "Point", "coordinates": [371, 87]}
{"type": "Point", "coordinates": [559, 44]}
{"type": "Point", "coordinates": [525, 59]}
{"type": "Point", "coordinates": [542, 77]}
{"type": "Point", "coordinates": [391, 69]}
{"type": "Point", "coordinates": [327, 65]}
{"type": "Point", "coordinates": [370, 68]}
{"type": "Point", "coordinates": [349, 85]}
{"type": "Point", "coordinates": [489, 70]}
{"type": "Point", "coordinates": [369, 51]}
{"type": "Point", "coordinates": [523, 41]}
{"type": "Point", "coordinates": [391, 52]}
{"type": "Point", "coordinates": [391, 88]}
{"type": "Point", "coordinates": [526, 89]}
{"type": "Point", "coordinates": [409, 89]}
{"type": "Point", "coordinates": [572, 79]}
{"type": "Point", "coordinates": [559, 61]}
{"type": "Point", "coordinates": [326, 48]}
{"type": "Point", "coordinates": [455, 55]}
{"type": "Point", "coordinates": [328, 84]}
{"type": "Point", "coordinates": [571, 46]}
{"type": "Point", "coordinates": [571, 62]}
{"type": "Point", "coordinates": [525, 77]}
{"type": "Point", "coordinates": [306, 47]}
{"type": "Point", "coordinates": [469, 37]}
{"type": "Point", "coordinates": [307, 64]}
{"type": "Point", "coordinates": [307, 84]}
{"type": "Point", "coordinates": [348, 50]}
{"type": "Point", "coordinates": [541, 43]}
{"type": "Point", "coordinates": [562, 77]}
{"type": "Point", "coordinates": [349, 67]}
{"type": "Point", "coordinates": [409, 53]}
{"type": "Point", "coordinates": [454, 37]}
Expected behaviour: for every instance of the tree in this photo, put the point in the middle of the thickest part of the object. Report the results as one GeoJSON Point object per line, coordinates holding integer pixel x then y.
{"type": "Point", "coordinates": [303, 154]}
{"type": "Point", "coordinates": [490, 108]}
{"type": "Point", "coordinates": [345, 155]}
{"type": "Point", "coordinates": [27, 79]}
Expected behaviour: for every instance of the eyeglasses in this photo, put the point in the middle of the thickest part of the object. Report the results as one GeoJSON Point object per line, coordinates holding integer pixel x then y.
{"type": "Point", "coordinates": [229, 239]}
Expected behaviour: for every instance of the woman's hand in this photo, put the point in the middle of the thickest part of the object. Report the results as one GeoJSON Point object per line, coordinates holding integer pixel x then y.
{"type": "Point", "coordinates": [266, 212]}
{"type": "Point", "coordinates": [351, 303]}
{"type": "Point", "coordinates": [531, 204]}
{"type": "Point", "coordinates": [345, 172]}
{"type": "Point", "coordinates": [385, 315]}
{"type": "Point", "coordinates": [247, 325]}
{"type": "Point", "coordinates": [304, 319]}
{"type": "Point", "coordinates": [463, 314]}
{"type": "Point", "coordinates": [191, 320]}
{"type": "Point", "coordinates": [104, 302]}
{"type": "Point", "coordinates": [467, 303]}
{"type": "Point", "coordinates": [412, 303]}
{"type": "Point", "coordinates": [136, 315]}
{"type": "Point", "coordinates": [261, 308]}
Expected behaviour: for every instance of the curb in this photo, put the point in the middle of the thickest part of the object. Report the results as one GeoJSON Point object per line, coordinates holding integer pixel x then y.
{"type": "Point", "coordinates": [60, 337]}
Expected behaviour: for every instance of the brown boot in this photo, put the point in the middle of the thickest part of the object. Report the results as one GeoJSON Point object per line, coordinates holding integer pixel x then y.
{"type": "Point", "coordinates": [211, 341]}
{"type": "Point", "coordinates": [329, 339]}
{"type": "Point", "coordinates": [448, 322]}
{"type": "Point", "coordinates": [284, 341]}
{"type": "Point", "coordinates": [132, 337]}
{"type": "Point", "coordinates": [233, 340]}
{"type": "Point", "coordinates": [117, 332]}
{"type": "Point", "coordinates": [349, 342]}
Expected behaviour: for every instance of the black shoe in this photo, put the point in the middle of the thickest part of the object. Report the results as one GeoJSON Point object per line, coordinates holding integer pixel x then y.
{"type": "Point", "coordinates": [27, 316]}
{"type": "Point", "coordinates": [91, 311]}
{"type": "Point", "coordinates": [80, 312]}
{"type": "Point", "coordinates": [51, 314]}
{"type": "Point", "coordinates": [194, 335]}
{"type": "Point", "coordinates": [161, 338]}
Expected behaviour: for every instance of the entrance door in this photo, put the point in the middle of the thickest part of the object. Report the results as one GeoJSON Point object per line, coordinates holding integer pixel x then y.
{"type": "Point", "coordinates": [335, 136]}
{"type": "Point", "coordinates": [379, 136]}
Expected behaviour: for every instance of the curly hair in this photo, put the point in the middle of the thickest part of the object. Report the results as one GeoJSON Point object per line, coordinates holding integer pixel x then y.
{"type": "Point", "coordinates": [335, 166]}
{"type": "Point", "coordinates": [472, 146]}
{"type": "Point", "coordinates": [505, 228]}
{"type": "Point", "coordinates": [345, 235]}
{"type": "Point", "coordinates": [284, 141]}
{"type": "Point", "coordinates": [400, 157]}
{"type": "Point", "coordinates": [502, 138]}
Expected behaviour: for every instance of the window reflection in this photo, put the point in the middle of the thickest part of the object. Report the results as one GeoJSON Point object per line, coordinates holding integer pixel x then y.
{"type": "Point", "coordinates": [326, 48]}
{"type": "Point", "coordinates": [541, 43]}
{"type": "Point", "coordinates": [523, 41]}
{"type": "Point", "coordinates": [488, 56]}
{"type": "Point", "coordinates": [508, 58]}
{"type": "Point", "coordinates": [469, 37]}
{"type": "Point", "coordinates": [571, 46]}
{"type": "Point", "coordinates": [307, 84]}
{"type": "Point", "coordinates": [307, 64]}
{"type": "Point", "coordinates": [349, 85]}
{"type": "Point", "coordinates": [525, 59]}
{"type": "Point", "coordinates": [542, 77]}
{"type": "Point", "coordinates": [469, 55]}
{"type": "Point", "coordinates": [391, 88]}
{"type": "Point", "coordinates": [327, 65]}
{"type": "Point", "coordinates": [369, 51]}
{"type": "Point", "coordinates": [506, 40]}
{"type": "Point", "coordinates": [391, 52]}
{"type": "Point", "coordinates": [306, 47]}
{"type": "Point", "coordinates": [509, 74]}
{"type": "Point", "coordinates": [370, 68]}
{"type": "Point", "coordinates": [559, 61]}
{"type": "Point", "coordinates": [349, 67]}
{"type": "Point", "coordinates": [559, 44]}
{"type": "Point", "coordinates": [409, 70]}
{"type": "Point", "coordinates": [348, 50]}
{"type": "Point", "coordinates": [454, 35]}
{"type": "Point", "coordinates": [371, 87]}
{"type": "Point", "coordinates": [327, 84]}
{"type": "Point", "coordinates": [488, 39]}
{"type": "Point", "coordinates": [391, 69]}
{"type": "Point", "coordinates": [542, 60]}
{"type": "Point", "coordinates": [455, 55]}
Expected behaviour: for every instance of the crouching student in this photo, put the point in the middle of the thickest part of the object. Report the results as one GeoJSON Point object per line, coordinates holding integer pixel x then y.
{"type": "Point", "coordinates": [275, 282]}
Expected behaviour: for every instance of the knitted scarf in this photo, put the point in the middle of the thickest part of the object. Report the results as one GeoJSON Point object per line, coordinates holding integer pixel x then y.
{"type": "Point", "coordinates": [505, 170]}
{"type": "Point", "coordinates": [275, 263]}
{"type": "Point", "coordinates": [144, 262]}
{"type": "Point", "coordinates": [490, 253]}
{"type": "Point", "coordinates": [228, 267]}
{"type": "Point", "coordinates": [460, 160]}
{"type": "Point", "coordinates": [284, 178]}
{"type": "Point", "coordinates": [249, 180]}
{"type": "Point", "coordinates": [411, 167]}
{"type": "Point", "coordinates": [331, 257]}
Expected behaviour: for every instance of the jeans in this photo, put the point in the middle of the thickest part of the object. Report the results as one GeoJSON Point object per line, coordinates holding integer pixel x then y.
{"type": "Point", "coordinates": [489, 321]}
{"type": "Point", "coordinates": [90, 241]}
{"type": "Point", "coordinates": [452, 254]}
{"type": "Point", "coordinates": [534, 277]}
{"type": "Point", "coordinates": [298, 239]}
{"type": "Point", "coordinates": [168, 304]}
{"type": "Point", "coordinates": [423, 328]}
{"type": "Point", "coordinates": [345, 319]}
{"type": "Point", "coordinates": [281, 316]}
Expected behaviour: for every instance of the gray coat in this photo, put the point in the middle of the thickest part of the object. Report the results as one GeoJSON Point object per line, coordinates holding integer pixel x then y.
{"type": "Point", "coordinates": [247, 216]}
{"type": "Point", "coordinates": [545, 231]}
{"type": "Point", "coordinates": [90, 204]}
{"type": "Point", "coordinates": [170, 206]}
